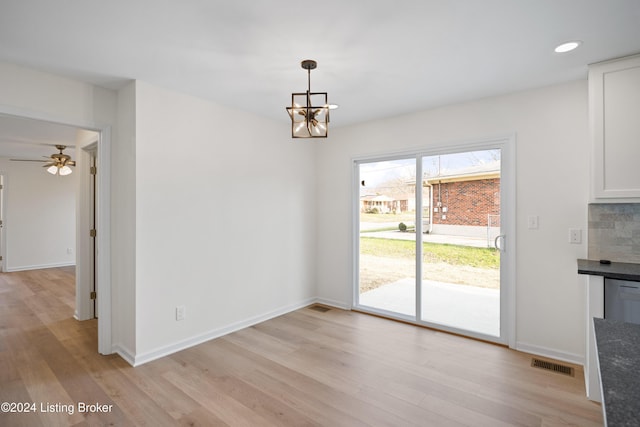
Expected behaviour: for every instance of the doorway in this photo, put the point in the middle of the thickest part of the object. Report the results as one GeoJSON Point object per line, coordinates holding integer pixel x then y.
{"type": "Point", "coordinates": [98, 147]}
{"type": "Point", "coordinates": [432, 250]}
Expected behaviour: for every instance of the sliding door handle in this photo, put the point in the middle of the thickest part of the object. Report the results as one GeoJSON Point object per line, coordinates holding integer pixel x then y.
{"type": "Point", "coordinates": [499, 238]}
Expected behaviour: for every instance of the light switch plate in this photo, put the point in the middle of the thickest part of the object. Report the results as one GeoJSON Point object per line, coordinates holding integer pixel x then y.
{"type": "Point", "coordinates": [532, 222]}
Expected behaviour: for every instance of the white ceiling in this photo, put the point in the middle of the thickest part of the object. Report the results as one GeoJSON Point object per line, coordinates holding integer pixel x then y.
{"type": "Point", "coordinates": [22, 138]}
{"type": "Point", "coordinates": [376, 58]}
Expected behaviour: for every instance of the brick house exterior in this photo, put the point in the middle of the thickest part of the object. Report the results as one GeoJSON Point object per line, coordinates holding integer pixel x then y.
{"type": "Point", "coordinates": [388, 204]}
{"type": "Point", "coordinates": [472, 200]}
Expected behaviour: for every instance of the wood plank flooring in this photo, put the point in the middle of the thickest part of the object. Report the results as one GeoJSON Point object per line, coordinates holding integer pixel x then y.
{"type": "Point", "coordinates": [306, 368]}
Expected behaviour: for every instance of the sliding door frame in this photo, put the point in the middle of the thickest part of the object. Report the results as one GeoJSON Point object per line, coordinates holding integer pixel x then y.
{"type": "Point", "coordinates": [507, 145]}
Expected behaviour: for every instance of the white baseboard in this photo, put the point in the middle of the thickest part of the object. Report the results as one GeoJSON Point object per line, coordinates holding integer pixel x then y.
{"type": "Point", "coordinates": [576, 359]}
{"type": "Point", "coordinates": [125, 353]}
{"type": "Point", "coordinates": [39, 267]}
{"type": "Point", "coordinates": [148, 356]}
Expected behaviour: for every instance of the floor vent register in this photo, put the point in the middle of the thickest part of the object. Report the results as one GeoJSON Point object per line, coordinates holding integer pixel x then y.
{"type": "Point", "coordinates": [552, 366]}
{"type": "Point", "coordinates": [320, 308]}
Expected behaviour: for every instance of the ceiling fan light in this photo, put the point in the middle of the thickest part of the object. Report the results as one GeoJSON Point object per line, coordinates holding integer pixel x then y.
{"type": "Point", "coordinates": [65, 170]}
{"type": "Point", "coordinates": [53, 170]}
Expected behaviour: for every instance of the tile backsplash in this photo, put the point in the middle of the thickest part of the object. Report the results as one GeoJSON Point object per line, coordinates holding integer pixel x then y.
{"type": "Point", "coordinates": [614, 231]}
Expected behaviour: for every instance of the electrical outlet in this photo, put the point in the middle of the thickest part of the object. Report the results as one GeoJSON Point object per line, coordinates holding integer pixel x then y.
{"type": "Point", "coordinates": [69, 251]}
{"type": "Point", "coordinates": [575, 236]}
{"type": "Point", "coordinates": [181, 312]}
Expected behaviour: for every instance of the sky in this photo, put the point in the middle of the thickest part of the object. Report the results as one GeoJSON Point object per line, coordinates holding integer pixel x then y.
{"type": "Point", "coordinates": [377, 174]}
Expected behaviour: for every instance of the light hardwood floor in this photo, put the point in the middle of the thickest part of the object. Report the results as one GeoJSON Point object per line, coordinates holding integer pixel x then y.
{"type": "Point", "coordinates": [306, 368]}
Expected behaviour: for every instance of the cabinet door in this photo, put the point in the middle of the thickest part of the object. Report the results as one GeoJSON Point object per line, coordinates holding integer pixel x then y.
{"type": "Point", "coordinates": [614, 98]}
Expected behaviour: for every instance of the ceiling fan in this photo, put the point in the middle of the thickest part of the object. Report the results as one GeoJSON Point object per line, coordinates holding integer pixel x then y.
{"type": "Point", "coordinates": [58, 164]}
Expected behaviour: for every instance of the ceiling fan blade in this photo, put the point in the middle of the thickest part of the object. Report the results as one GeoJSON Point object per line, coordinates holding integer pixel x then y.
{"type": "Point", "coordinates": [57, 160]}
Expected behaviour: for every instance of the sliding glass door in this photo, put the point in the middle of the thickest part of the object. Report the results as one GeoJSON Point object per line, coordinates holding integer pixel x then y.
{"type": "Point", "coordinates": [429, 239]}
{"type": "Point", "coordinates": [460, 284]}
{"type": "Point", "coordinates": [387, 257]}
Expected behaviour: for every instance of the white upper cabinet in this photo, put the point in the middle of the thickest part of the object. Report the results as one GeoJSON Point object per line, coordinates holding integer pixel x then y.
{"type": "Point", "coordinates": [614, 104]}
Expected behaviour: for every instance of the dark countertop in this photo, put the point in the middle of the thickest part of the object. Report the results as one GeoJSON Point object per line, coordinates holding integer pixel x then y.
{"type": "Point", "coordinates": [618, 345]}
{"type": "Point", "coordinates": [615, 270]}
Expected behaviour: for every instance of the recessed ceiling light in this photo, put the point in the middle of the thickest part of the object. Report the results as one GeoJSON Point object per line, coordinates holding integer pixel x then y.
{"type": "Point", "coordinates": [568, 46]}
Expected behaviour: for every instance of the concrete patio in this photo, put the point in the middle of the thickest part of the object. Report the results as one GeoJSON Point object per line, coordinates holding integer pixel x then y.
{"type": "Point", "coordinates": [465, 307]}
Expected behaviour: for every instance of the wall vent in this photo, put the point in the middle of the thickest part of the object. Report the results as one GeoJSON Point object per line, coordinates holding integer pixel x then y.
{"type": "Point", "coordinates": [320, 308]}
{"type": "Point", "coordinates": [552, 366]}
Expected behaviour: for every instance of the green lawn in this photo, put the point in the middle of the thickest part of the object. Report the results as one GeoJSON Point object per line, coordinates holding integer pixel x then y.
{"type": "Point", "coordinates": [433, 252]}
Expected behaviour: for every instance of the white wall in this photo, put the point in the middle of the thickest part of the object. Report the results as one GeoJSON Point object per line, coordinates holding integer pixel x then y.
{"type": "Point", "coordinates": [552, 173]}
{"type": "Point", "coordinates": [37, 94]}
{"type": "Point", "coordinates": [40, 217]}
{"type": "Point", "coordinates": [225, 220]}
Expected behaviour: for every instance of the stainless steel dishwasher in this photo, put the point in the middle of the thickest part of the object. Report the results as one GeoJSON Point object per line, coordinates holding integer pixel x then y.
{"type": "Point", "coordinates": [622, 300]}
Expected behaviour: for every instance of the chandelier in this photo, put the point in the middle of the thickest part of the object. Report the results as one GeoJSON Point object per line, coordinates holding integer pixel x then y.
{"type": "Point", "coordinates": [309, 111]}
